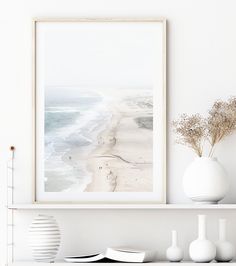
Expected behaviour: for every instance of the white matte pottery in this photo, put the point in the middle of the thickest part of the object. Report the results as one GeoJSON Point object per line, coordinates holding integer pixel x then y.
{"type": "Point", "coordinates": [44, 238]}
{"type": "Point", "coordinates": [202, 249]}
{"type": "Point", "coordinates": [205, 181]}
{"type": "Point", "coordinates": [174, 253]}
{"type": "Point", "coordinates": [225, 251]}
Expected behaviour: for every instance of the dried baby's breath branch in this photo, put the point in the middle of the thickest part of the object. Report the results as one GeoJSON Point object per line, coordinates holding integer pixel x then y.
{"type": "Point", "coordinates": [221, 121]}
{"type": "Point", "coordinates": [193, 130]}
{"type": "Point", "coordinates": [190, 132]}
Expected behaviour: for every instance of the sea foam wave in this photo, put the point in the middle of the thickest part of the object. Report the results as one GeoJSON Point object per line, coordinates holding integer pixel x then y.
{"type": "Point", "coordinates": [80, 132]}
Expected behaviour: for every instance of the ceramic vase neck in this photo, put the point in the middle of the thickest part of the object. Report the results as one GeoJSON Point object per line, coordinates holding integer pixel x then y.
{"type": "Point", "coordinates": [222, 229]}
{"type": "Point", "coordinates": [174, 238]}
{"type": "Point", "coordinates": [201, 227]}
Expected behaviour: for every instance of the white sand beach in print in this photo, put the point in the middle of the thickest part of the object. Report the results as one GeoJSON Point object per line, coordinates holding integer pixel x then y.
{"type": "Point", "coordinates": [98, 140]}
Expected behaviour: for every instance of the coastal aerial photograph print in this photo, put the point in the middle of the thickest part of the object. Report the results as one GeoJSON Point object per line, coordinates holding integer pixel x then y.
{"type": "Point", "coordinates": [99, 111]}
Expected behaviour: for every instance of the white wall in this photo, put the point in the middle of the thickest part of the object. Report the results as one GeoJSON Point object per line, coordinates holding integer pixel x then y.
{"type": "Point", "coordinates": [201, 69]}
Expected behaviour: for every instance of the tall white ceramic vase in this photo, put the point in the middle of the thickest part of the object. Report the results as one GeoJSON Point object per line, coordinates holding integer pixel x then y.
{"type": "Point", "coordinates": [225, 251]}
{"type": "Point", "coordinates": [44, 238]}
{"type": "Point", "coordinates": [202, 249]}
{"type": "Point", "coordinates": [205, 181]}
{"type": "Point", "coordinates": [174, 253]}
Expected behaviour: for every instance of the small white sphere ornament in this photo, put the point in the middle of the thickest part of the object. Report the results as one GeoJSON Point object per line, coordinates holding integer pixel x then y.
{"type": "Point", "coordinates": [202, 249]}
{"type": "Point", "coordinates": [44, 238]}
{"type": "Point", "coordinates": [174, 253]}
{"type": "Point", "coordinates": [225, 251]}
{"type": "Point", "coordinates": [205, 181]}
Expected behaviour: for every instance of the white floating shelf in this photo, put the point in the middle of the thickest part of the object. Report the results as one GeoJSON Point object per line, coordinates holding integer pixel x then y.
{"type": "Point", "coordinates": [118, 264]}
{"type": "Point", "coordinates": [123, 206]}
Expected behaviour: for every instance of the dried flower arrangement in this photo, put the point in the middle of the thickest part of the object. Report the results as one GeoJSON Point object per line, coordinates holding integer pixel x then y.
{"type": "Point", "coordinates": [194, 130]}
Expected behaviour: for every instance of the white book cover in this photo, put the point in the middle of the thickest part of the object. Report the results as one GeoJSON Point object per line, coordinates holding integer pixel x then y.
{"type": "Point", "coordinates": [121, 254]}
{"type": "Point", "coordinates": [130, 255]}
{"type": "Point", "coordinates": [85, 258]}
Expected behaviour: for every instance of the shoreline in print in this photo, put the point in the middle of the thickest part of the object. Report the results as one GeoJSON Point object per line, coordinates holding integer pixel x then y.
{"type": "Point", "coordinates": [98, 140]}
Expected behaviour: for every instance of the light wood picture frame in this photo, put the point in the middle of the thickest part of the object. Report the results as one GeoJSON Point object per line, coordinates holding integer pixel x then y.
{"type": "Point", "coordinates": [100, 111]}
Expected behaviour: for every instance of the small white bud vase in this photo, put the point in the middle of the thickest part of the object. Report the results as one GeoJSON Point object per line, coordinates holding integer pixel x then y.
{"type": "Point", "coordinates": [225, 251]}
{"type": "Point", "coordinates": [202, 249]}
{"type": "Point", "coordinates": [205, 181]}
{"type": "Point", "coordinates": [174, 253]}
{"type": "Point", "coordinates": [44, 238]}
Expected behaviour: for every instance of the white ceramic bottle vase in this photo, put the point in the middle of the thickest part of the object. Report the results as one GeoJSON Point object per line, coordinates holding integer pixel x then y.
{"type": "Point", "coordinates": [225, 251]}
{"type": "Point", "coordinates": [202, 249]}
{"type": "Point", "coordinates": [44, 238]}
{"type": "Point", "coordinates": [174, 253]}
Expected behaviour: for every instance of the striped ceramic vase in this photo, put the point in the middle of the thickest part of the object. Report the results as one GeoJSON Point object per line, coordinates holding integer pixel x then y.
{"type": "Point", "coordinates": [44, 238]}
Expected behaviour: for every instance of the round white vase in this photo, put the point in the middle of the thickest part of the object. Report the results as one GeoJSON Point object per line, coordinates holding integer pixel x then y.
{"type": "Point", "coordinates": [44, 238]}
{"type": "Point", "coordinates": [225, 251]}
{"type": "Point", "coordinates": [205, 181]}
{"type": "Point", "coordinates": [174, 253]}
{"type": "Point", "coordinates": [202, 249]}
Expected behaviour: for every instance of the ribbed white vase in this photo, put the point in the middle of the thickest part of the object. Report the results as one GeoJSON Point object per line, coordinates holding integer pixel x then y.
{"type": "Point", "coordinates": [44, 238]}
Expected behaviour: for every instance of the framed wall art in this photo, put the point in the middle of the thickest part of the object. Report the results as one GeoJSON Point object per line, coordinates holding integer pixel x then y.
{"type": "Point", "coordinates": [100, 110]}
